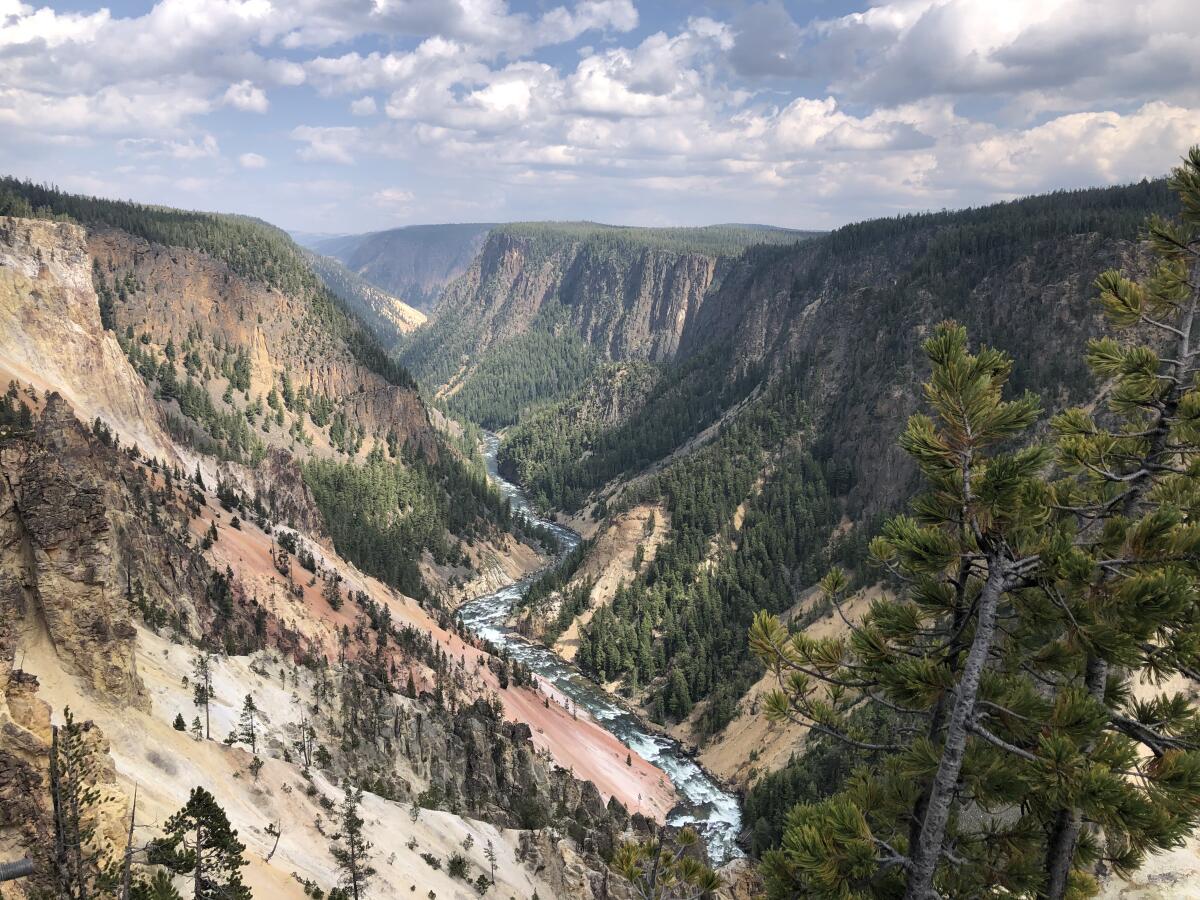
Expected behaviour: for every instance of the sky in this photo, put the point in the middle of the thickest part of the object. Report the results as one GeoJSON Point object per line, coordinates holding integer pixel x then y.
{"type": "Point", "coordinates": [339, 116]}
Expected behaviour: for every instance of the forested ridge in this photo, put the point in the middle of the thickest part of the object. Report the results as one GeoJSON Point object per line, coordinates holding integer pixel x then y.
{"type": "Point", "coordinates": [414, 262]}
{"type": "Point", "coordinates": [529, 370]}
{"type": "Point", "coordinates": [384, 508]}
{"type": "Point", "coordinates": [562, 458]}
{"type": "Point", "coordinates": [718, 240]}
{"type": "Point", "coordinates": [252, 248]}
{"type": "Point", "coordinates": [388, 317]}
{"type": "Point", "coordinates": [385, 513]}
{"type": "Point", "coordinates": [678, 630]}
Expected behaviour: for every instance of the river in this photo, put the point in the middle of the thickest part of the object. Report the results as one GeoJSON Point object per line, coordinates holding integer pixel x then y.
{"type": "Point", "coordinates": [713, 811]}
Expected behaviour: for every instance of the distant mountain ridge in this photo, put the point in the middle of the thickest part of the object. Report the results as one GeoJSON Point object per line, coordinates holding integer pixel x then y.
{"type": "Point", "coordinates": [544, 302]}
{"type": "Point", "coordinates": [417, 263]}
{"type": "Point", "coordinates": [413, 263]}
{"type": "Point", "coordinates": [388, 317]}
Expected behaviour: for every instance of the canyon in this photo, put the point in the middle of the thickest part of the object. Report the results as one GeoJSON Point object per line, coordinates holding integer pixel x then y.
{"type": "Point", "coordinates": [485, 512]}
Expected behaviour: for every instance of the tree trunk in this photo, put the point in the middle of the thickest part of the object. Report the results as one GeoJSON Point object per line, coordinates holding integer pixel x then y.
{"type": "Point", "coordinates": [939, 710]}
{"type": "Point", "coordinates": [926, 855]}
{"type": "Point", "coordinates": [1060, 848]}
{"type": "Point", "coordinates": [127, 862]}
{"type": "Point", "coordinates": [198, 893]}
{"type": "Point", "coordinates": [62, 869]}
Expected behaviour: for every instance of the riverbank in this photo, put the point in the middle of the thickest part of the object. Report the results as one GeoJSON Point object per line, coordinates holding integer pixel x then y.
{"type": "Point", "coordinates": [703, 803]}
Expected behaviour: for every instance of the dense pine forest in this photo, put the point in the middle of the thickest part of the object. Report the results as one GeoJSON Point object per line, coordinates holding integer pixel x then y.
{"type": "Point", "coordinates": [680, 628]}
{"type": "Point", "coordinates": [719, 240]}
{"type": "Point", "coordinates": [529, 370]}
{"type": "Point", "coordinates": [384, 514]}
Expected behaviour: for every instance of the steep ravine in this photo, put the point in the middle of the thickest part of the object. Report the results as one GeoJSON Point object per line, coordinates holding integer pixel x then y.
{"type": "Point", "coordinates": [704, 804]}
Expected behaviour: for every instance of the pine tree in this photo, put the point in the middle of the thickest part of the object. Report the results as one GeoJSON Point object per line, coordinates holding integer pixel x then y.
{"type": "Point", "coordinates": [200, 843]}
{"type": "Point", "coordinates": [351, 849]}
{"type": "Point", "coordinates": [179, 724]}
{"type": "Point", "coordinates": [489, 854]}
{"type": "Point", "coordinates": [158, 887]}
{"type": "Point", "coordinates": [76, 868]}
{"type": "Point", "coordinates": [247, 731]}
{"type": "Point", "coordinates": [202, 693]}
{"type": "Point", "coordinates": [662, 870]}
{"type": "Point", "coordinates": [1032, 606]}
{"type": "Point", "coordinates": [923, 655]}
{"type": "Point", "coordinates": [1126, 591]}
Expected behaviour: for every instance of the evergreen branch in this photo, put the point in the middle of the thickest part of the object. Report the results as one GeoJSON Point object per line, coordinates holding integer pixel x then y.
{"type": "Point", "coordinates": [894, 857]}
{"type": "Point", "coordinates": [1156, 741]}
{"type": "Point", "coordinates": [975, 728]}
{"type": "Point", "coordinates": [844, 738]}
{"type": "Point", "coordinates": [1171, 329]}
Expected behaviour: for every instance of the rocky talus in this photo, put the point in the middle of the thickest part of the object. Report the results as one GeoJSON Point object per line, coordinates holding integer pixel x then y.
{"type": "Point", "coordinates": [634, 302]}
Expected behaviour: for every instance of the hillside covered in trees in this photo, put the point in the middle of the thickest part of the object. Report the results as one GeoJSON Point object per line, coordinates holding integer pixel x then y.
{"type": "Point", "coordinates": [767, 432]}
{"type": "Point", "coordinates": [247, 350]}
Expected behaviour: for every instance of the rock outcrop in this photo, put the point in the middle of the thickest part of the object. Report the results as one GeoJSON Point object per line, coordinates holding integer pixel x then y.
{"type": "Point", "coordinates": [631, 301]}
{"type": "Point", "coordinates": [62, 569]}
{"type": "Point", "coordinates": [51, 335]}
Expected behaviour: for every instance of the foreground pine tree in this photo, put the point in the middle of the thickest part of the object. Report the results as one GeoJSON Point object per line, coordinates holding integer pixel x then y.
{"type": "Point", "coordinates": [1126, 779]}
{"type": "Point", "coordinates": [77, 867]}
{"type": "Point", "coordinates": [200, 843]}
{"type": "Point", "coordinates": [920, 657]}
{"type": "Point", "coordinates": [1039, 606]}
{"type": "Point", "coordinates": [664, 868]}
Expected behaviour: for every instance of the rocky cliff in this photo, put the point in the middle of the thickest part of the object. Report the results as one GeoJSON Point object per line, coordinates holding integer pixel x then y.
{"type": "Point", "coordinates": [847, 319]}
{"type": "Point", "coordinates": [167, 294]}
{"type": "Point", "coordinates": [628, 293]}
{"type": "Point", "coordinates": [51, 335]}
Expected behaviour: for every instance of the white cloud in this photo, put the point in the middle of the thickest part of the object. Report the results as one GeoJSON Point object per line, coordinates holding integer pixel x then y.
{"type": "Point", "coordinates": [905, 104]}
{"type": "Point", "coordinates": [321, 144]}
{"type": "Point", "coordinates": [205, 148]}
{"type": "Point", "coordinates": [246, 97]}
{"type": "Point", "coordinates": [1075, 51]}
{"type": "Point", "coordinates": [138, 108]}
{"type": "Point", "coordinates": [392, 197]}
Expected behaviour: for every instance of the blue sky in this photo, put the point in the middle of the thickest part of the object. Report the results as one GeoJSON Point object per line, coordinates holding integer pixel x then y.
{"type": "Point", "coordinates": [337, 116]}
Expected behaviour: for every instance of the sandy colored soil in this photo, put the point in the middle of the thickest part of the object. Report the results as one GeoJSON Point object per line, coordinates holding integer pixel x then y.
{"type": "Point", "coordinates": [728, 754]}
{"type": "Point", "coordinates": [165, 764]}
{"type": "Point", "coordinates": [610, 563]}
{"type": "Point", "coordinates": [582, 522]}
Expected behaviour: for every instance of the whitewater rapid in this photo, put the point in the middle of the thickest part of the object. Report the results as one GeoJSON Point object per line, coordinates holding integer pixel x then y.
{"type": "Point", "coordinates": [713, 811]}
